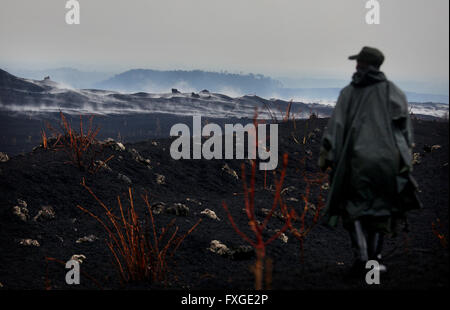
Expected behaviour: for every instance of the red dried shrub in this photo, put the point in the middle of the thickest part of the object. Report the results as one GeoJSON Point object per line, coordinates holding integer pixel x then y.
{"type": "Point", "coordinates": [308, 123]}
{"type": "Point", "coordinates": [44, 139]}
{"type": "Point", "coordinates": [139, 253]}
{"type": "Point", "coordinates": [288, 112]}
{"type": "Point", "coordinates": [312, 180]}
{"type": "Point", "coordinates": [81, 148]}
{"type": "Point", "coordinates": [273, 115]}
{"type": "Point", "coordinates": [259, 244]}
{"type": "Point", "coordinates": [436, 229]}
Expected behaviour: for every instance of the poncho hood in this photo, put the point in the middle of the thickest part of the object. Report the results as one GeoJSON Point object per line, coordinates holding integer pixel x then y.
{"type": "Point", "coordinates": [368, 76]}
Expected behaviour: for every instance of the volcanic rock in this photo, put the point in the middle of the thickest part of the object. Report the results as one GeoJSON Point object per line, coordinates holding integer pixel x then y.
{"type": "Point", "coordinates": [21, 210]}
{"type": "Point", "coordinates": [78, 257]}
{"type": "Point", "coordinates": [46, 213]}
{"type": "Point", "coordinates": [178, 209]}
{"type": "Point", "coordinates": [29, 242]}
{"type": "Point", "coordinates": [230, 171]}
{"type": "Point", "coordinates": [4, 157]}
{"type": "Point", "coordinates": [160, 179]}
{"type": "Point", "coordinates": [124, 178]}
{"type": "Point", "coordinates": [90, 238]}
{"type": "Point", "coordinates": [211, 214]}
{"type": "Point", "coordinates": [219, 248]}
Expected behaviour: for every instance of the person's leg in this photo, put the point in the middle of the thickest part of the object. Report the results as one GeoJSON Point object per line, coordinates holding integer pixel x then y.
{"type": "Point", "coordinates": [360, 242]}
{"type": "Point", "coordinates": [375, 244]}
{"type": "Point", "coordinates": [375, 234]}
{"type": "Point", "coordinates": [359, 247]}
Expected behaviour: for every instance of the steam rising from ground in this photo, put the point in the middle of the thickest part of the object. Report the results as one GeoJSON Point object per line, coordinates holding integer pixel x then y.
{"type": "Point", "coordinates": [226, 104]}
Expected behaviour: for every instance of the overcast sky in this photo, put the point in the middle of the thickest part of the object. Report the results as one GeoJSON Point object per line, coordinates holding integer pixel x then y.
{"type": "Point", "coordinates": [280, 38]}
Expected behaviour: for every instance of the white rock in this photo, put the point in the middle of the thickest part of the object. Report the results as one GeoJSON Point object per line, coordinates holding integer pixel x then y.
{"type": "Point", "coordinates": [4, 157]}
{"type": "Point", "coordinates": [219, 248]}
{"type": "Point", "coordinates": [160, 179]}
{"type": "Point", "coordinates": [283, 237]}
{"type": "Point", "coordinates": [46, 213]}
{"type": "Point", "coordinates": [90, 238]}
{"type": "Point", "coordinates": [211, 214]}
{"type": "Point", "coordinates": [293, 199]}
{"type": "Point", "coordinates": [103, 165]}
{"type": "Point", "coordinates": [121, 146]}
{"type": "Point", "coordinates": [29, 242]}
{"type": "Point", "coordinates": [21, 213]}
{"type": "Point", "coordinates": [435, 147]}
{"type": "Point", "coordinates": [230, 171]}
{"type": "Point", "coordinates": [416, 159]}
{"type": "Point", "coordinates": [78, 257]}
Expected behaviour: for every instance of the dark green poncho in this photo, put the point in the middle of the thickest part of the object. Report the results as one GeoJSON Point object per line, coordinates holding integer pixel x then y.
{"type": "Point", "coordinates": [368, 143]}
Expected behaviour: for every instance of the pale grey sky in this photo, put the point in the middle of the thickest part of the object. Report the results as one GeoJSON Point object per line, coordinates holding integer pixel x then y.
{"type": "Point", "coordinates": [290, 38]}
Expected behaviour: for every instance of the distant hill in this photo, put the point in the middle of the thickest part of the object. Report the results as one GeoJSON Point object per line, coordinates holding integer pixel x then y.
{"type": "Point", "coordinates": [156, 81]}
{"type": "Point", "coordinates": [9, 82]}
{"type": "Point", "coordinates": [70, 76]}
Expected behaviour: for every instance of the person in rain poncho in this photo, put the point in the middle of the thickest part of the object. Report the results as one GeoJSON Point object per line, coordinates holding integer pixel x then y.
{"type": "Point", "coordinates": [368, 145]}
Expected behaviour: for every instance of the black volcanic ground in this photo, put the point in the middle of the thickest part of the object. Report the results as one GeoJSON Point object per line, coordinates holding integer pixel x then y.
{"type": "Point", "coordinates": [415, 259]}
